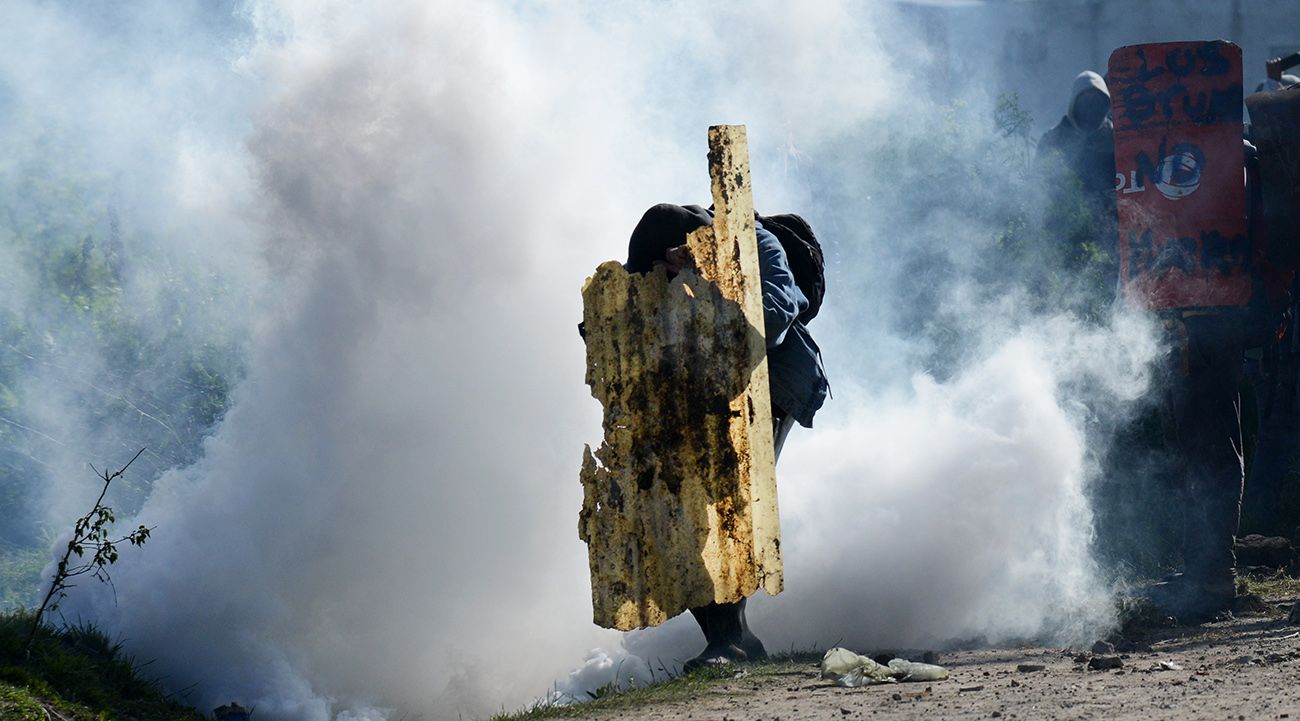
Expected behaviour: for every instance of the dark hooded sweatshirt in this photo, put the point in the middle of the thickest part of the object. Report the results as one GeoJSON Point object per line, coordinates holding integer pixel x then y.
{"type": "Point", "coordinates": [798, 381]}
{"type": "Point", "coordinates": [1089, 154]}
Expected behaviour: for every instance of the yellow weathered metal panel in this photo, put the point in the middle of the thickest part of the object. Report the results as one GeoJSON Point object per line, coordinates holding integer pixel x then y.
{"type": "Point", "coordinates": [679, 502]}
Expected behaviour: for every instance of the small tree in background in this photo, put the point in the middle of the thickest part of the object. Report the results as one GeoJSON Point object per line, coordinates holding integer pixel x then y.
{"type": "Point", "coordinates": [92, 534]}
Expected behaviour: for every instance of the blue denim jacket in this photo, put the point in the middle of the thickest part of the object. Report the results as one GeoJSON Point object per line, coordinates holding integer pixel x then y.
{"type": "Point", "coordinates": [798, 380]}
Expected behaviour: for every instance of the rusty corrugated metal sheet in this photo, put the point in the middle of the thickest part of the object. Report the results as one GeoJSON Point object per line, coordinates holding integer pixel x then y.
{"type": "Point", "coordinates": [679, 502]}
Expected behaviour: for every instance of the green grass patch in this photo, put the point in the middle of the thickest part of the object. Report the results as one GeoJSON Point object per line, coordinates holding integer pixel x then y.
{"type": "Point", "coordinates": [1276, 586]}
{"type": "Point", "coordinates": [76, 673]}
{"type": "Point", "coordinates": [19, 704]}
{"type": "Point", "coordinates": [678, 688]}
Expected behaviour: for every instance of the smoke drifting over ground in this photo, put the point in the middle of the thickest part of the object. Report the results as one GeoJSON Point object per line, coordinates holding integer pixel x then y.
{"type": "Point", "coordinates": [386, 516]}
{"type": "Point", "coordinates": [958, 511]}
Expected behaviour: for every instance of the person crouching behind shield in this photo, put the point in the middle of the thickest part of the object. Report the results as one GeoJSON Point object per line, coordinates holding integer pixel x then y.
{"type": "Point", "coordinates": [798, 380]}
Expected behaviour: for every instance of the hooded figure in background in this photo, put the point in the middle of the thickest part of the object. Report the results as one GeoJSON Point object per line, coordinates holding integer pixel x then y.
{"type": "Point", "coordinates": [1076, 160]}
{"type": "Point", "coordinates": [1272, 357]}
{"type": "Point", "coordinates": [1084, 140]}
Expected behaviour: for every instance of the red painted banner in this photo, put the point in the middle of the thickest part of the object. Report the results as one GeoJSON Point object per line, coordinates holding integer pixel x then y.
{"type": "Point", "coordinates": [1179, 180]}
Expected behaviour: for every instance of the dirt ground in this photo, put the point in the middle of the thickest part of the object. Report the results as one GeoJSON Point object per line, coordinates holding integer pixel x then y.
{"type": "Point", "coordinates": [1235, 668]}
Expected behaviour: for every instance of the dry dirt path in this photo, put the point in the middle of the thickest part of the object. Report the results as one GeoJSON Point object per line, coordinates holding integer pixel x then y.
{"type": "Point", "coordinates": [1241, 668]}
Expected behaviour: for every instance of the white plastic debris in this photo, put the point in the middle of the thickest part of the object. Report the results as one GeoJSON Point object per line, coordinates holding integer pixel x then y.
{"type": "Point", "coordinates": [849, 669]}
{"type": "Point", "coordinates": [858, 677]}
{"type": "Point", "coordinates": [905, 670]}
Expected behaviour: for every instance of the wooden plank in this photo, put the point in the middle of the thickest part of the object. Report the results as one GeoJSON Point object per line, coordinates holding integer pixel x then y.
{"type": "Point", "coordinates": [679, 501]}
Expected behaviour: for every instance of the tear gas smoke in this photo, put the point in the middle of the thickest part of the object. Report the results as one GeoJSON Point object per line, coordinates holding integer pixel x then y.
{"type": "Point", "coordinates": [385, 518]}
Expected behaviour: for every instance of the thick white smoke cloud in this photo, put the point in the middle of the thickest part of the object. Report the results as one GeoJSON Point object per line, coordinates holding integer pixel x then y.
{"type": "Point", "coordinates": [956, 511]}
{"type": "Point", "coordinates": [387, 516]}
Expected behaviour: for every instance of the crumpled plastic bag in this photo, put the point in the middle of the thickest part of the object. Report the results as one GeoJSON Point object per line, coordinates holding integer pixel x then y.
{"type": "Point", "coordinates": [905, 670]}
{"type": "Point", "coordinates": [849, 669]}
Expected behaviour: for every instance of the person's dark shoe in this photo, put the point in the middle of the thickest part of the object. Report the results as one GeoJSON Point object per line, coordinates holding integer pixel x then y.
{"type": "Point", "coordinates": [715, 656]}
{"type": "Point", "coordinates": [753, 648]}
{"type": "Point", "coordinates": [727, 636]}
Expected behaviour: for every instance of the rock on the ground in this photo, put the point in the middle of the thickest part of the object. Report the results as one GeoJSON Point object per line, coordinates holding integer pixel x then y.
{"type": "Point", "coordinates": [1267, 551]}
{"type": "Point", "coordinates": [1249, 604]}
{"type": "Point", "coordinates": [1103, 663]}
